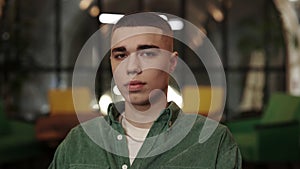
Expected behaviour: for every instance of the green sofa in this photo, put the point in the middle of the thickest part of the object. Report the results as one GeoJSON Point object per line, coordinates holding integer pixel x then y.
{"type": "Point", "coordinates": [274, 137]}
{"type": "Point", "coordinates": [17, 140]}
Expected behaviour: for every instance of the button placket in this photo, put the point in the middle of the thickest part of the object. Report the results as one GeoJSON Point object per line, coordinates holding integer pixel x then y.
{"type": "Point", "coordinates": [121, 147]}
{"type": "Point", "coordinates": [124, 166]}
{"type": "Point", "coordinates": [119, 137]}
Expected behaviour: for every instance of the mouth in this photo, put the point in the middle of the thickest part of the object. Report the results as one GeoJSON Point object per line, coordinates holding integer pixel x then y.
{"type": "Point", "coordinates": [135, 85]}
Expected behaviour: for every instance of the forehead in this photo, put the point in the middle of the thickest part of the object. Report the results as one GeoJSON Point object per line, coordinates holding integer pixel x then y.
{"type": "Point", "coordinates": [123, 33]}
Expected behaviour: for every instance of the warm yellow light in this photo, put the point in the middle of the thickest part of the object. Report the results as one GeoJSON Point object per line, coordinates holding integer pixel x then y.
{"type": "Point", "coordinates": [2, 3]}
{"type": "Point", "coordinates": [94, 11]}
{"type": "Point", "coordinates": [218, 15]}
{"type": "Point", "coordinates": [215, 12]}
{"type": "Point", "coordinates": [84, 4]}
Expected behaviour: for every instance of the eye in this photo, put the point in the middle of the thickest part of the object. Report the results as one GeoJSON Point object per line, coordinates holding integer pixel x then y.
{"type": "Point", "coordinates": [120, 56]}
{"type": "Point", "coordinates": [147, 53]}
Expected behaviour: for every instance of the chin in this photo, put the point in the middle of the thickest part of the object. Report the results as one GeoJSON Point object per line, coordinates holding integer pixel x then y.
{"type": "Point", "coordinates": [138, 101]}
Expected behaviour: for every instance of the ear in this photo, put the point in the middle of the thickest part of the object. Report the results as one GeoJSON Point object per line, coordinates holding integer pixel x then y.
{"type": "Point", "coordinates": [173, 61]}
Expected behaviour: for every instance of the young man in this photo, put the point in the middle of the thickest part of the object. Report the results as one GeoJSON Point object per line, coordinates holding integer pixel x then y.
{"type": "Point", "coordinates": [145, 131]}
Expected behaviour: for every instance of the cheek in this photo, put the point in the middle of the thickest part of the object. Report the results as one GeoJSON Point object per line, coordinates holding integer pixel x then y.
{"type": "Point", "coordinates": [117, 73]}
{"type": "Point", "coordinates": [113, 66]}
{"type": "Point", "coordinates": [157, 77]}
{"type": "Point", "coordinates": [117, 69]}
{"type": "Point", "coordinates": [163, 65]}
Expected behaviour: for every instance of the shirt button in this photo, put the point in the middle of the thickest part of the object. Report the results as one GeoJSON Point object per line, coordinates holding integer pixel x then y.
{"type": "Point", "coordinates": [124, 166]}
{"type": "Point", "coordinates": [119, 137]}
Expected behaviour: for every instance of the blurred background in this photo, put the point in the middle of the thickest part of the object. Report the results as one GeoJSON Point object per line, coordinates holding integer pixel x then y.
{"type": "Point", "coordinates": [257, 41]}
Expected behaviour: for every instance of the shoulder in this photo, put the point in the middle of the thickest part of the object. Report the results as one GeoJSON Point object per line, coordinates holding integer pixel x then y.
{"type": "Point", "coordinates": [218, 135]}
{"type": "Point", "coordinates": [209, 129]}
{"type": "Point", "coordinates": [79, 147]}
{"type": "Point", "coordinates": [82, 132]}
{"type": "Point", "coordinates": [84, 136]}
{"type": "Point", "coordinates": [203, 121]}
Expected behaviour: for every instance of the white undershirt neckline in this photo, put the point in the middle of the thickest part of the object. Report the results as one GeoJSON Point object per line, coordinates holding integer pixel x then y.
{"type": "Point", "coordinates": [135, 138]}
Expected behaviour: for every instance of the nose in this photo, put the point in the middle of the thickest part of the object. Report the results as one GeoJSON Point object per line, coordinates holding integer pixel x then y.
{"type": "Point", "coordinates": [134, 65]}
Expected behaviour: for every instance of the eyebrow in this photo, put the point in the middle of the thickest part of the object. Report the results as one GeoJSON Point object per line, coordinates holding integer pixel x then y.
{"type": "Point", "coordinates": [118, 49]}
{"type": "Point", "coordinates": [140, 47]}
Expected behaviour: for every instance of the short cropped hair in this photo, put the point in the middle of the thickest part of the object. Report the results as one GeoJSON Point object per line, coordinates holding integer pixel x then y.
{"type": "Point", "coordinates": [144, 19]}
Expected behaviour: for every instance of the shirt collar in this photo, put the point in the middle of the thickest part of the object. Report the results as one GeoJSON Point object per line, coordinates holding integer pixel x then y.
{"type": "Point", "coordinates": [167, 115]}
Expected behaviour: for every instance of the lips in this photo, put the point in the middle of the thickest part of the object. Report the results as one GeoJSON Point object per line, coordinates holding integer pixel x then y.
{"type": "Point", "coordinates": [135, 85]}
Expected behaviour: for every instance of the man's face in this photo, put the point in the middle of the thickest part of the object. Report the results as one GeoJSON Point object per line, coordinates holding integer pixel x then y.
{"type": "Point", "coordinates": [141, 62]}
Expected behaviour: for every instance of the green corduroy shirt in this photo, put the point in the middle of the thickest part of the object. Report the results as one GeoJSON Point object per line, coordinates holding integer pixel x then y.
{"type": "Point", "coordinates": [173, 142]}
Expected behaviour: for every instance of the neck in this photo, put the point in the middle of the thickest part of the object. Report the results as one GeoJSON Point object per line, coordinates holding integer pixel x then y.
{"type": "Point", "coordinates": [143, 116]}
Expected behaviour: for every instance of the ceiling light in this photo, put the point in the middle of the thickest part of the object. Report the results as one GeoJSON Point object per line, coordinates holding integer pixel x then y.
{"type": "Point", "coordinates": [164, 17]}
{"type": "Point", "coordinates": [109, 18]}
{"type": "Point", "coordinates": [176, 24]}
